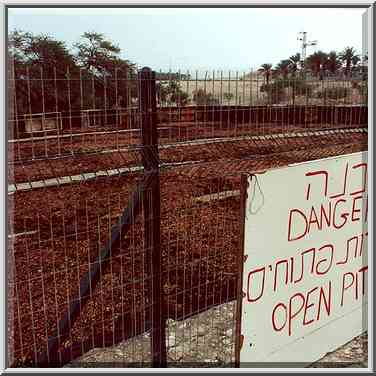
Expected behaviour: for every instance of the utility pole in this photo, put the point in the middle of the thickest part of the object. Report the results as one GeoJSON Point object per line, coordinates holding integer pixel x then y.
{"type": "Point", "coordinates": [305, 43]}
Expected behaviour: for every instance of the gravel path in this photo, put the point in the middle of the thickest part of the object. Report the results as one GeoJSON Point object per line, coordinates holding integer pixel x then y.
{"type": "Point", "coordinates": [206, 340]}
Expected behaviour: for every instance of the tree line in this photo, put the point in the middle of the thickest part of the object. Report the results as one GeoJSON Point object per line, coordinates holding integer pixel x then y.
{"type": "Point", "coordinates": [319, 64]}
{"type": "Point", "coordinates": [49, 76]}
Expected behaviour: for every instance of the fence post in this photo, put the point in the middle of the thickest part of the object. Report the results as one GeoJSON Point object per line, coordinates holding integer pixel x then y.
{"type": "Point", "coordinates": [151, 203]}
{"type": "Point", "coordinates": [239, 300]}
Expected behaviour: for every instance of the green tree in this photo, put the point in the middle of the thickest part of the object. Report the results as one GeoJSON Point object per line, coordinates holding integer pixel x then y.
{"type": "Point", "coordinates": [41, 49]}
{"type": "Point", "coordinates": [107, 77]}
{"type": "Point", "coordinates": [266, 71]}
{"type": "Point", "coordinates": [51, 78]}
{"type": "Point", "coordinates": [171, 93]}
{"type": "Point", "coordinates": [364, 67]}
{"type": "Point", "coordinates": [201, 98]}
{"type": "Point", "coordinates": [316, 63]}
{"type": "Point", "coordinates": [95, 53]}
{"type": "Point", "coordinates": [355, 64]}
{"type": "Point", "coordinates": [40, 65]}
{"type": "Point", "coordinates": [347, 56]}
{"type": "Point", "coordinates": [295, 61]}
{"type": "Point", "coordinates": [333, 63]}
{"type": "Point", "coordinates": [276, 91]}
{"type": "Point", "coordinates": [283, 68]}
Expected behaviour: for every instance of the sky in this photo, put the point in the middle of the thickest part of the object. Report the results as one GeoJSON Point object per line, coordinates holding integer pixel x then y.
{"type": "Point", "coordinates": [199, 39]}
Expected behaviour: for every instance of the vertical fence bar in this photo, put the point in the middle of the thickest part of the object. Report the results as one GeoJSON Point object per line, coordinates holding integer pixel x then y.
{"type": "Point", "coordinates": [241, 260]}
{"type": "Point", "coordinates": [150, 160]}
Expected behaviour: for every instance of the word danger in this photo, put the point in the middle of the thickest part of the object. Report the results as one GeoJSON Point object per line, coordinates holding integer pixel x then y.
{"type": "Point", "coordinates": [336, 210]}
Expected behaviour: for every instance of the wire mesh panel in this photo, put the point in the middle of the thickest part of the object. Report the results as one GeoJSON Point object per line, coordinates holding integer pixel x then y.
{"type": "Point", "coordinates": [75, 111]}
{"type": "Point", "coordinates": [230, 104]}
{"type": "Point", "coordinates": [57, 113]}
{"type": "Point", "coordinates": [124, 204]}
{"type": "Point", "coordinates": [65, 267]}
{"type": "Point", "coordinates": [200, 236]}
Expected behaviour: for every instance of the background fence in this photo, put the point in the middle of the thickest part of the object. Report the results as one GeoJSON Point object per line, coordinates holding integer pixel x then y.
{"type": "Point", "coordinates": [78, 111]}
{"type": "Point", "coordinates": [125, 209]}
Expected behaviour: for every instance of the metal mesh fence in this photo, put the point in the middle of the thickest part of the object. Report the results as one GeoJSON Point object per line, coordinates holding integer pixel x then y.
{"type": "Point", "coordinates": [93, 261]}
{"type": "Point", "coordinates": [74, 112]}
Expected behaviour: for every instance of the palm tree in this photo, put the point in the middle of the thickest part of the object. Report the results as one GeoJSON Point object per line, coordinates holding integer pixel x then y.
{"type": "Point", "coordinates": [333, 64]}
{"type": "Point", "coordinates": [355, 61]}
{"type": "Point", "coordinates": [365, 66]}
{"type": "Point", "coordinates": [266, 70]}
{"type": "Point", "coordinates": [316, 62]}
{"type": "Point", "coordinates": [347, 56]}
{"type": "Point", "coordinates": [283, 68]}
{"type": "Point", "coordinates": [295, 61]}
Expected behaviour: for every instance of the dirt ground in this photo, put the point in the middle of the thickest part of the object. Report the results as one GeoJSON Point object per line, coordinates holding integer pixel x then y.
{"type": "Point", "coordinates": [57, 233]}
{"type": "Point", "coordinates": [207, 340]}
